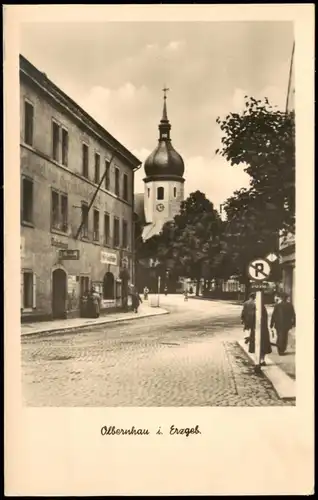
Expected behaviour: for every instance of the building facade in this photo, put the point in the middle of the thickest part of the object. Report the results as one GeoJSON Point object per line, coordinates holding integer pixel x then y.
{"type": "Point", "coordinates": [64, 156]}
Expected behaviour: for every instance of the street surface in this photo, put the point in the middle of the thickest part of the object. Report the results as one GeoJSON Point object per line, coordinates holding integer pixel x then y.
{"type": "Point", "coordinates": [187, 358]}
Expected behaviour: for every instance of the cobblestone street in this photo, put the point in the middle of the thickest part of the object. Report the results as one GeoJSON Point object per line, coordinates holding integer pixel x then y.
{"type": "Point", "coordinates": [187, 358]}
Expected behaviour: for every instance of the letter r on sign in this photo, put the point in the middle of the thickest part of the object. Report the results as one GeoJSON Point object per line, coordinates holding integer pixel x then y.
{"type": "Point", "coordinates": [259, 268]}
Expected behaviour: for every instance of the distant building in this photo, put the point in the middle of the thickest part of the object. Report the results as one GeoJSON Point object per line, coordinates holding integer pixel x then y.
{"type": "Point", "coordinates": [64, 154]}
{"type": "Point", "coordinates": [163, 193]}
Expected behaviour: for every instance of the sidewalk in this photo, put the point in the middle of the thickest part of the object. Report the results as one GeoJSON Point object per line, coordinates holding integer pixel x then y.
{"type": "Point", "coordinates": [280, 370]}
{"type": "Point", "coordinates": [66, 325]}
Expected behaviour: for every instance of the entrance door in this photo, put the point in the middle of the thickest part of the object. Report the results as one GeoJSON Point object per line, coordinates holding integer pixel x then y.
{"type": "Point", "coordinates": [59, 294]}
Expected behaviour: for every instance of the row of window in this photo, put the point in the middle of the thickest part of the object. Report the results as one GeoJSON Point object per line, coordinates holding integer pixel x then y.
{"type": "Point", "coordinates": [161, 193]}
{"type": "Point", "coordinates": [60, 148]}
{"type": "Point", "coordinates": [59, 217]}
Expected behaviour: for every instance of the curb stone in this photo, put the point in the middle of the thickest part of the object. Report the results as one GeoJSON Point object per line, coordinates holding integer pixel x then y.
{"type": "Point", "coordinates": [80, 328]}
{"type": "Point", "coordinates": [283, 384]}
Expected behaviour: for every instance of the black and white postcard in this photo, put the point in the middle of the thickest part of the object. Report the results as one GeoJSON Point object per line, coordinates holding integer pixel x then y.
{"type": "Point", "coordinates": [159, 249]}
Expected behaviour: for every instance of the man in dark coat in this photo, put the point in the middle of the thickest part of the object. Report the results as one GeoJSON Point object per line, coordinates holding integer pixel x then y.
{"type": "Point", "coordinates": [136, 299]}
{"type": "Point", "coordinates": [248, 313]}
{"type": "Point", "coordinates": [283, 319]}
{"type": "Point", "coordinates": [248, 318]}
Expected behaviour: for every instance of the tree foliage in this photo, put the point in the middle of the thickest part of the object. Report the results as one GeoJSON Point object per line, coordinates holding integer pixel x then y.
{"type": "Point", "coordinates": [262, 139]}
{"type": "Point", "coordinates": [191, 244]}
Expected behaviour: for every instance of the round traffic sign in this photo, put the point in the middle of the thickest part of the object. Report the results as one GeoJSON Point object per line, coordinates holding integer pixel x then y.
{"type": "Point", "coordinates": [259, 269]}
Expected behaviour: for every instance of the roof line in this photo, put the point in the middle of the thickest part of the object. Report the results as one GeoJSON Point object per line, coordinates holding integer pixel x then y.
{"type": "Point", "coordinates": [41, 78]}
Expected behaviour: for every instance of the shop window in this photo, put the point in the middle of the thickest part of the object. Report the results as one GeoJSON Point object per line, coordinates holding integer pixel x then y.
{"type": "Point", "coordinates": [84, 285]}
{"type": "Point", "coordinates": [28, 290]}
{"type": "Point", "coordinates": [108, 286]}
{"type": "Point", "coordinates": [27, 200]}
{"type": "Point", "coordinates": [160, 193]}
{"type": "Point", "coordinates": [28, 123]}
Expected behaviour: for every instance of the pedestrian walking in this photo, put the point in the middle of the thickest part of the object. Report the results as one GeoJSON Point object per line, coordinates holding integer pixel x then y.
{"type": "Point", "coordinates": [248, 318]}
{"type": "Point", "coordinates": [94, 300]}
{"type": "Point", "coordinates": [136, 299]}
{"type": "Point", "coordinates": [166, 290]}
{"type": "Point", "coordinates": [186, 295]}
{"type": "Point", "coordinates": [146, 292]}
{"type": "Point", "coordinates": [248, 314]}
{"type": "Point", "coordinates": [283, 320]}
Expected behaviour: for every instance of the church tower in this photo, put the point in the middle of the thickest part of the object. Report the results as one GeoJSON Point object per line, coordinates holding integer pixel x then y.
{"type": "Point", "coordinates": [164, 182]}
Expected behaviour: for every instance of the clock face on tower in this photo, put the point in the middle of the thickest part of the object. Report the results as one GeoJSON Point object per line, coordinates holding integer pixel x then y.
{"type": "Point", "coordinates": [160, 207]}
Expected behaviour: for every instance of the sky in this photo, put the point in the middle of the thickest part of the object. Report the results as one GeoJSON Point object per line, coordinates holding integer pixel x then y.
{"type": "Point", "coordinates": [116, 71]}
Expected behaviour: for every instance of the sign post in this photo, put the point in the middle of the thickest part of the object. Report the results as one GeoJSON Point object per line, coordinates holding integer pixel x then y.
{"type": "Point", "coordinates": [258, 271]}
{"type": "Point", "coordinates": [159, 279]}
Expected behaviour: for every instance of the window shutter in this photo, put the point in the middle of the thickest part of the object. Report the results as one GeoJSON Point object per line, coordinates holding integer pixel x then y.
{"type": "Point", "coordinates": [21, 291]}
{"type": "Point", "coordinates": [34, 291]}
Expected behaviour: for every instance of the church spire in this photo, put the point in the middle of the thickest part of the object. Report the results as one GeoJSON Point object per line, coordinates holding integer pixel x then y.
{"type": "Point", "coordinates": [164, 127]}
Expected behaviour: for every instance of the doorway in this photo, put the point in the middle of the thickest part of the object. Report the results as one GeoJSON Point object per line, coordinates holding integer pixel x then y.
{"type": "Point", "coordinates": [108, 286]}
{"type": "Point", "coordinates": [59, 294]}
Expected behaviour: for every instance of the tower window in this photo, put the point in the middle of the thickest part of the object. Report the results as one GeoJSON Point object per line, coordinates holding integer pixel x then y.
{"type": "Point", "coordinates": [175, 192]}
{"type": "Point", "coordinates": [160, 193]}
{"type": "Point", "coordinates": [148, 191]}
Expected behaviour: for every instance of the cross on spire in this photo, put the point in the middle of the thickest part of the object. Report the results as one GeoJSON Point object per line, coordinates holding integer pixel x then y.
{"type": "Point", "coordinates": [165, 90]}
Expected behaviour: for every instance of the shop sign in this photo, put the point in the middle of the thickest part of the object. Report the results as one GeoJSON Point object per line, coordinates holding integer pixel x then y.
{"type": "Point", "coordinates": [107, 257]}
{"type": "Point", "coordinates": [58, 243]}
{"type": "Point", "coordinates": [69, 254]}
{"type": "Point", "coordinates": [286, 241]}
{"type": "Point", "coordinates": [107, 303]}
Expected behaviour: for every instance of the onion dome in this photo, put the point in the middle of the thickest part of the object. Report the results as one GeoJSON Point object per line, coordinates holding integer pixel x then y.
{"type": "Point", "coordinates": [164, 161]}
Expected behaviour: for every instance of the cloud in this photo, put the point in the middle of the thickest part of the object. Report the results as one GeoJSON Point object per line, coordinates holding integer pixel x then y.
{"type": "Point", "coordinates": [214, 177]}
{"type": "Point", "coordinates": [152, 46]}
{"type": "Point", "coordinates": [117, 70]}
{"type": "Point", "coordinates": [175, 45]}
{"type": "Point", "coordinates": [119, 110]}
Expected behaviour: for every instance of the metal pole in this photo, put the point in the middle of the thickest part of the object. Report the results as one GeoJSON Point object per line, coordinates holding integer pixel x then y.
{"type": "Point", "coordinates": [95, 194]}
{"type": "Point", "coordinates": [290, 76]}
{"type": "Point", "coordinates": [258, 323]}
{"type": "Point", "coordinates": [159, 279]}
